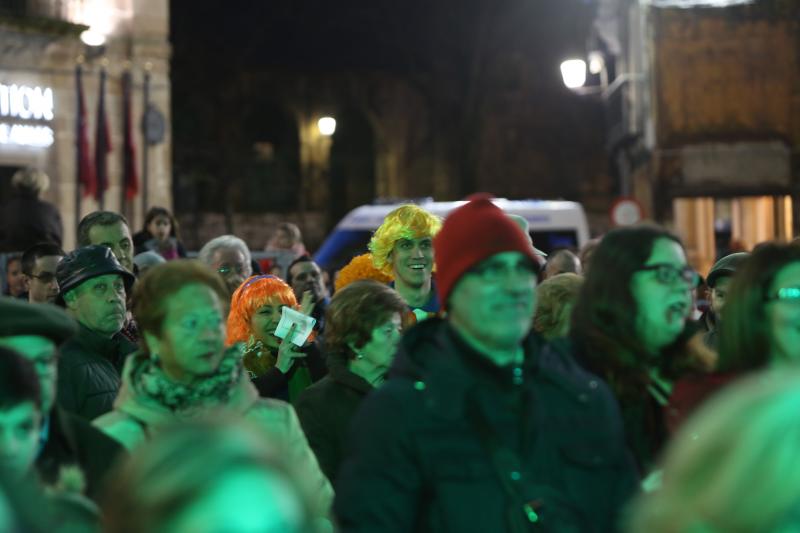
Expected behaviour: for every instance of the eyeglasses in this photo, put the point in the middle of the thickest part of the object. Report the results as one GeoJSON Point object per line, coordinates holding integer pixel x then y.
{"type": "Point", "coordinates": [669, 274]}
{"type": "Point", "coordinates": [492, 271]}
{"type": "Point", "coordinates": [228, 269]}
{"type": "Point", "coordinates": [45, 277]}
{"type": "Point", "coordinates": [785, 294]}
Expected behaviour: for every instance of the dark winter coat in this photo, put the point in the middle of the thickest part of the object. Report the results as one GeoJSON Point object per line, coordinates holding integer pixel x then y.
{"type": "Point", "coordinates": [89, 372]}
{"type": "Point", "coordinates": [416, 463]}
{"type": "Point", "coordinates": [26, 220]}
{"type": "Point", "coordinates": [275, 384]}
{"type": "Point", "coordinates": [72, 440]}
{"type": "Point", "coordinates": [325, 410]}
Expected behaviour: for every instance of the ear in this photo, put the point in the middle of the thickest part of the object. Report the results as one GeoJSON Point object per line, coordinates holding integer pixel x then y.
{"type": "Point", "coordinates": [26, 282]}
{"type": "Point", "coordinates": [152, 342]}
{"type": "Point", "coordinates": [353, 347]}
{"type": "Point", "coordinates": [69, 299]}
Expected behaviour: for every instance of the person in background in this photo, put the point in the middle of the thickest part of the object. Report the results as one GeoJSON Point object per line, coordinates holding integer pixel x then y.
{"type": "Point", "coordinates": [93, 285]}
{"type": "Point", "coordinates": [718, 281]}
{"type": "Point", "coordinates": [587, 252]}
{"type": "Point", "coordinates": [556, 296]}
{"type": "Point", "coordinates": [360, 267]}
{"type": "Point", "coordinates": [160, 235]}
{"type": "Point", "coordinates": [109, 229]}
{"type": "Point", "coordinates": [403, 247]}
{"type": "Point", "coordinates": [20, 414]}
{"type": "Point", "coordinates": [631, 326]}
{"type": "Point", "coordinates": [561, 262]}
{"type": "Point", "coordinates": [279, 368]}
{"type": "Point", "coordinates": [229, 256]}
{"type": "Point", "coordinates": [24, 218]}
{"type": "Point", "coordinates": [207, 476]}
{"type": "Point", "coordinates": [745, 437]}
{"type": "Point", "coordinates": [364, 321]}
{"type": "Point", "coordinates": [480, 427]}
{"type": "Point", "coordinates": [35, 332]}
{"type": "Point", "coordinates": [304, 275]}
{"type": "Point", "coordinates": [15, 278]}
{"type": "Point", "coordinates": [147, 260]}
{"type": "Point", "coordinates": [287, 243]}
{"type": "Point", "coordinates": [184, 371]}
{"type": "Point", "coordinates": [39, 266]}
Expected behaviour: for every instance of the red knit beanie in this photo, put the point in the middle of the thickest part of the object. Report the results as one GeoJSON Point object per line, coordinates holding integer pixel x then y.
{"type": "Point", "coordinates": [475, 231]}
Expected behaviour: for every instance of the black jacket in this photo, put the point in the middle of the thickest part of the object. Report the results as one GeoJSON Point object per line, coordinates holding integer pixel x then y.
{"type": "Point", "coordinates": [416, 463]}
{"type": "Point", "coordinates": [325, 410]}
{"type": "Point", "coordinates": [26, 220]}
{"type": "Point", "coordinates": [74, 441]}
{"type": "Point", "coordinates": [89, 372]}
{"type": "Point", "coordinates": [275, 384]}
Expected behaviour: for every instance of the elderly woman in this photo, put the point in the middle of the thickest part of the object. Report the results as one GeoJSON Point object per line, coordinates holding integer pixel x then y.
{"type": "Point", "coordinates": [230, 257]}
{"type": "Point", "coordinates": [184, 370]}
{"type": "Point", "coordinates": [208, 476]}
{"type": "Point", "coordinates": [363, 329]}
{"type": "Point", "coordinates": [555, 298]}
{"type": "Point", "coordinates": [279, 369]}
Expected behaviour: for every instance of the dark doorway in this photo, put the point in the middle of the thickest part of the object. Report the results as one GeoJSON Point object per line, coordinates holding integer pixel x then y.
{"type": "Point", "coordinates": [352, 164]}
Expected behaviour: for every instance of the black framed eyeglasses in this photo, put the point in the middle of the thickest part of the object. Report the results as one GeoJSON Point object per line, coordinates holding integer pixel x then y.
{"type": "Point", "coordinates": [791, 294]}
{"type": "Point", "coordinates": [669, 274]}
{"type": "Point", "coordinates": [45, 277]}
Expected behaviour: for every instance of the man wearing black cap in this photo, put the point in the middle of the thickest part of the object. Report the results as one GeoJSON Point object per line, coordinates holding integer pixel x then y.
{"type": "Point", "coordinates": [35, 331]}
{"type": "Point", "coordinates": [480, 427]}
{"type": "Point", "coordinates": [92, 286]}
{"type": "Point", "coordinates": [719, 280]}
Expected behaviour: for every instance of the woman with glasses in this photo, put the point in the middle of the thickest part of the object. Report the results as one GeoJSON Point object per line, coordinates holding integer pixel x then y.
{"type": "Point", "coordinates": [279, 368]}
{"type": "Point", "coordinates": [631, 326]}
{"type": "Point", "coordinates": [184, 371]}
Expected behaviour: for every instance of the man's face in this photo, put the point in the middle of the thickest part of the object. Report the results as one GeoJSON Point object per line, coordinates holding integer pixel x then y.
{"type": "Point", "coordinates": [412, 261]}
{"type": "Point", "coordinates": [40, 351]}
{"type": "Point", "coordinates": [20, 426]}
{"type": "Point", "coordinates": [232, 266]}
{"type": "Point", "coordinates": [15, 278]}
{"type": "Point", "coordinates": [42, 283]}
{"type": "Point", "coordinates": [116, 236]}
{"type": "Point", "coordinates": [99, 304]}
{"type": "Point", "coordinates": [719, 293]}
{"type": "Point", "coordinates": [494, 302]}
{"type": "Point", "coordinates": [307, 276]}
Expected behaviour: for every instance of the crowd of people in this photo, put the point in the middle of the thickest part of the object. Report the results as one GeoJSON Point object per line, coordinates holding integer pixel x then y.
{"type": "Point", "coordinates": [456, 378]}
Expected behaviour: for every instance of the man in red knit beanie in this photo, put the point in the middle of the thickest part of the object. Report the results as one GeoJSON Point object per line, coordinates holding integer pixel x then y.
{"type": "Point", "coordinates": [481, 427]}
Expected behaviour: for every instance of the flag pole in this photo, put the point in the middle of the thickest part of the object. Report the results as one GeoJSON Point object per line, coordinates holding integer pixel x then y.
{"type": "Point", "coordinates": [78, 93]}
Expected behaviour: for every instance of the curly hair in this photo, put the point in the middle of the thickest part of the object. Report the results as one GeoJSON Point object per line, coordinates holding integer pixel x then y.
{"type": "Point", "coordinates": [360, 267]}
{"type": "Point", "coordinates": [254, 293]}
{"type": "Point", "coordinates": [405, 222]}
{"type": "Point", "coordinates": [554, 295]}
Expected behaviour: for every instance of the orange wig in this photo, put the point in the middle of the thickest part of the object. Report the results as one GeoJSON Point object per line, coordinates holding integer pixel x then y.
{"type": "Point", "coordinates": [251, 295]}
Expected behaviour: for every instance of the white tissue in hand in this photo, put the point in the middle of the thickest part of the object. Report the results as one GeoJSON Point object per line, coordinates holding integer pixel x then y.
{"type": "Point", "coordinates": [305, 324]}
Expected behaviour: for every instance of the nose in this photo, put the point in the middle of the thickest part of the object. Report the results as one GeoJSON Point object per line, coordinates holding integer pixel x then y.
{"type": "Point", "coordinates": [416, 252]}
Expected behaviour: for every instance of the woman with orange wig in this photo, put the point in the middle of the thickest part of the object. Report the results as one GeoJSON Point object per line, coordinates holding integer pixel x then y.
{"type": "Point", "coordinates": [278, 369]}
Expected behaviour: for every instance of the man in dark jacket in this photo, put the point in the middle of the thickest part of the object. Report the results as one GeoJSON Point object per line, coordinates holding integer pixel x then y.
{"type": "Point", "coordinates": [480, 428]}
{"type": "Point", "coordinates": [35, 331]}
{"type": "Point", "coordinates": [92, 286]}
{"type": "Point", "coordinates": [24, 218]}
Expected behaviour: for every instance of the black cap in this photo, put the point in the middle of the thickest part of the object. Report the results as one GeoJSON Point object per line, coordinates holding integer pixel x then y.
{"type": "Point", "coordinates": [725, 267]}
{"type": "Point", "coordinates": [86, 263]}
{"type": "Point", "coordinates": [18, 317]}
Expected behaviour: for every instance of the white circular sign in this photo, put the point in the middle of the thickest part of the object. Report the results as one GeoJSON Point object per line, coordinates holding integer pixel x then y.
{"type": "Point", "coordinates": [626, 212]}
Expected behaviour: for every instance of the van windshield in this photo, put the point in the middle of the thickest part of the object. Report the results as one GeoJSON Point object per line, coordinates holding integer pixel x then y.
{"type": "Point", "coordinates": [342, 245]}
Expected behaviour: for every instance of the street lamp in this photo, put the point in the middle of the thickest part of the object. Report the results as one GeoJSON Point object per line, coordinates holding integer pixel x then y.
{"type": "Point", "coordinates": [93, 38]}
{"type": "Point", "coordinates": [573, 72]}
{"type": "Point", "coordinates": [326, 125]}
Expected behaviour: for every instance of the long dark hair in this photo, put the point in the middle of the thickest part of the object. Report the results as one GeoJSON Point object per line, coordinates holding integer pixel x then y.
{"type": "Point", "coordinates": [745, 342]}
{"type": "Point", "coordinates": [604, 319]}
{"type": "Point", "coordinates": [156, 211]}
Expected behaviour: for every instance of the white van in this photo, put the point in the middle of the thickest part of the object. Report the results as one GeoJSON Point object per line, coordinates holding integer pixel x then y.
{"type": "Point", "coordinates": [553, 224]}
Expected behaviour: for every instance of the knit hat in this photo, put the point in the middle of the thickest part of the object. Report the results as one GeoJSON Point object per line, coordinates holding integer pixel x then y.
{"type": "Point", "coordinates": [475, 231]}
{"type": "Point", "coordinates": [45, 320]}
{"type": "Point", "coordinates": [725, 267]}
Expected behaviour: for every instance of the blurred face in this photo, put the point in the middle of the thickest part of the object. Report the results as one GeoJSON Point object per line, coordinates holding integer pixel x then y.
{"type": "Point", "coordinates": [19, 437]}
{"type": "Point", "coordinates": [192, 337]}
{"type": "Point", "coordinates": [282, 239]}
{"type": "Point", "coordinates": [41, 352]}
{"type": "Point", "coordinates": [718, 294]}
{"type": "Point", "coordinates": [307, 276]}
{"type": "Point", "coordinates": [160, 227]}
{"type": "Point", "coordinates": [116, 236]}
{"type": "Point", "coordinates": [494, 302]}
{"type": "Point", "coordinates": [99, 304]}
{"type": "Point", "coordinates": [663, 295]}
{"type": "Point", "coordinates": [232, 266]}
{"type": "Point", "coordinates": [379, 351]}
{"type": "Point", "coordinates": [242, 501]}
{"type": "Point", "coordinates": [412, 261]}
{"type": "Point", "coordinates": [783, 315]}
{"type": "Point", "coordinates": [42, 284]}
{"type": "Point", "coordinates": [264, 322]}
{"type": "Point", "coordinates": [15, 278]}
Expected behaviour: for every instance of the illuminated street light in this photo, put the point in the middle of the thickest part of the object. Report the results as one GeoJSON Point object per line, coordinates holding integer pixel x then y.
{"type": "Point", "coordinates": [93, 38]}
{"type": "Point", "coordinates": [327, 125]}
{"type": "Point", "coordinates": [596, 62]}
{"type": "Point", "coordinates": [573, 72]}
